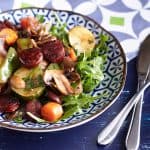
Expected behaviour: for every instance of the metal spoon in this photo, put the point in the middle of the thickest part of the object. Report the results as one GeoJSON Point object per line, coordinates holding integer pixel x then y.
{"type": "Point", "coordinates": [110, 131]}
{"type": "Point", "coordinates": [133, 135]}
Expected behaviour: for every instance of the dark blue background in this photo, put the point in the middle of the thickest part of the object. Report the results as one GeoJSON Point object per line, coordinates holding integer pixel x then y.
{"type": "Point", "coordinates": [84, 137]}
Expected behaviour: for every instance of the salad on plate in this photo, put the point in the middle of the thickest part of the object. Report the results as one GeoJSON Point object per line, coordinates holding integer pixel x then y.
{"type": "Point", "coordinates": [47, 72]}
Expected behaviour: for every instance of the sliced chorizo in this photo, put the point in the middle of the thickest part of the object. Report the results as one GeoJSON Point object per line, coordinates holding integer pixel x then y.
{"type": "Point", "coordinates": [8, 104]}
{"type": "Point", "coordinates": [34, 107]}
{"type": "Point", "coordinates": [31, 57]}
{"type": "Point", "coordinates": [53, 51]}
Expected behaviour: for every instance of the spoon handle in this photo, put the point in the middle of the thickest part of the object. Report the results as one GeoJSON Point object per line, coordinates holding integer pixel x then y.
{"type": "Point", "coordinates": [133, 135]}
{"type": "Point", "coordinates": [111, 130]}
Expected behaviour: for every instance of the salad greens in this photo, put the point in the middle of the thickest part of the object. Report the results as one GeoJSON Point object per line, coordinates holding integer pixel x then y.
{"type": "Point", "coordinates": [75, 103]}
{"type": "Point", "coordinates": [40, 18]}
{"type": "Point", "coordinates": [91, 68]}
{"type": "Point", "coordinates": [100, 48]}
{"type": "Point", "coordinates": [91, 72]}
{"type": "Point", "coordinates": [18, 117]}
{"type": "Point", "coordinates": [60, 31]}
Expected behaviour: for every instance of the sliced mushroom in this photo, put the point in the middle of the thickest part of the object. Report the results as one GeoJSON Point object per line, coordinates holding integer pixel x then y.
{"type": "Point", "coordinates": [2, 47]}
{"type": "Point", "coordinates": [62, 83]}
{"type": "Point", "coordinates": [66, 83]}
{"type": "Point", "coordinates": [47, 77]}
{"type": "Point", "coordinates": [73, 77]}
{"type": "Point", "coordinates": [78, 89]}
{"type": "Point", "coordinates": [68, 65]}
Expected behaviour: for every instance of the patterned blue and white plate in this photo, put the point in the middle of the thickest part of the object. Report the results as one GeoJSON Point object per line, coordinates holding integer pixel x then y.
{"type": "Point", "coordinates": [112, 85]}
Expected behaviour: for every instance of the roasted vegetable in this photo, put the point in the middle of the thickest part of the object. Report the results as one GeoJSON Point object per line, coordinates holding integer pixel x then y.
{"type": "Point", "coordinates": [9, 35]}
{"type": "Point", "coordinates": [8, 65]}
{"type": "Point", "coordinates": [72, 54]}
{"type": "Point", "coordinates": [81, 39]}
{"type": "Point", "coordinates": [24, 43]}
{"type": "Point", "coordinates": [34, 85]}
{"type": "Point", "coordinates": [2, 58]}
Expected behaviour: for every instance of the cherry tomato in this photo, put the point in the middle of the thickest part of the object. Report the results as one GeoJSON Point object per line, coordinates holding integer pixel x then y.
{"type": "Point", "coordinates": [51, 111]}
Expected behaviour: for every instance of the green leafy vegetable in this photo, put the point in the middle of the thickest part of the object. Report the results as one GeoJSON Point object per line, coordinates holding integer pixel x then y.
{"type": "Point", "coordinates": [90, 67]}
{"type": "Point", "coordinates": [101, 48]}
{"type": "Point", "coordinates": [18, 116]}
{"type": "Point", "coordinates": [18, 119]}
{"type": "Point", "coordinates": [60, 31]}
{"type": "Point", "coordinates": [40, 18]}
{"type": "Point", "coordinates": [75, 103]}
{"type": "Point", "coordinates": [91, 72]}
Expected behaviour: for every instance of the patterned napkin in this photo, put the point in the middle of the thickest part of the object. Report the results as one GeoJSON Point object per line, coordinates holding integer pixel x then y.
{"type": "Point", "coordinates": [128, 20]}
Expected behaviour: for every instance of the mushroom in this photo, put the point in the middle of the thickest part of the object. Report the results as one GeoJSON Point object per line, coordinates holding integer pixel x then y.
{"type": "Point", "coordinates": [78, 89]}
{"type": "Point", "coordinates": [61, 81]}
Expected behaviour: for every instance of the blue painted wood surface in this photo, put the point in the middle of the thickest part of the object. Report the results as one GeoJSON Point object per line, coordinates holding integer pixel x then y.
{"type": "Point", "coordinates": [84, 137]}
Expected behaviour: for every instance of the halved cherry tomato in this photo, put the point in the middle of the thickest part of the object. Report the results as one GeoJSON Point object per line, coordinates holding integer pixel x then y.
{"type": "Point", "coordinates": [25, 22]}
{"type": "Point", "coordinates": [51, 111]}
{"type": "Point", "coordinates": [29, 23]}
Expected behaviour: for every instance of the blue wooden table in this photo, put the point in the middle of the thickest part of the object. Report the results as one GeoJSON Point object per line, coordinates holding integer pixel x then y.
{"type": "Point", "coordinates": [129, 22]}
{"type": "Point", "coordinates": [84, 137]}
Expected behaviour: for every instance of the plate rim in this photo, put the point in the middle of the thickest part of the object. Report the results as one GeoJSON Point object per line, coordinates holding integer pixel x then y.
{"type": "Point", "coordinates": [95, 115]}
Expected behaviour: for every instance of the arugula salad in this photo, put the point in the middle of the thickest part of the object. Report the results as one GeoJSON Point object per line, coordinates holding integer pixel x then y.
{"type": "Point", "coordinates": [47, 72]}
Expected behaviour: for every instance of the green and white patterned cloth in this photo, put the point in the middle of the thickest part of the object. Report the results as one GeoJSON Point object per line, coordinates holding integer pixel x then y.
{"type": "Point", "coordinates": [128, 20]}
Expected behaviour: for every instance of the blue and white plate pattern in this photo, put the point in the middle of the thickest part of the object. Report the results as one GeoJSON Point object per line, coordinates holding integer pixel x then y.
{"type": "Point", "coordinates": [114, 72]}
